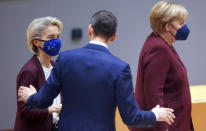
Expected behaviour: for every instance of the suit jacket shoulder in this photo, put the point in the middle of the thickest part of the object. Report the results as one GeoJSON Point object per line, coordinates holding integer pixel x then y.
{"type": "Point", "coordinates": [155, 42]}
{"type": "Point", "coordinates": [109, 57]}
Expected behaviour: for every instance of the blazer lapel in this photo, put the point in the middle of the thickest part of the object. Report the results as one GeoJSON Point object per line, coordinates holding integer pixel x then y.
{"type": "Point", "coordinates": [41, 72]}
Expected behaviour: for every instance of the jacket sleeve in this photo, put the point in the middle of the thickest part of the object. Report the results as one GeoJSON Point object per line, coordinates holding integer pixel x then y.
{"type": "Point", "coordinates": [156, 67]}
{"type": "Point", "coordinates": [26, 78]}
{"type": "Point", "coordinates": [128, 108]}
{"type": "Point", "coordinates": [52, 87]}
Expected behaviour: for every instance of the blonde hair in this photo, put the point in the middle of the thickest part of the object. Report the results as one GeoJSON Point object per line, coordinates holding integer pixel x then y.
{"type": "Point", "coordinates": [36, 28]}
{"type": "Point", "coordinates": [165, 11]}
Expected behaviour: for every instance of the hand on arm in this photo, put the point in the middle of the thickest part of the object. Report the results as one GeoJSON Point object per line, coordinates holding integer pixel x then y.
{"type": "Point", "coordinates": [128, 107]}
{"type": "Point", "coordinates": [164, 114]}
{"type": "Point", "coordinates": [25, 79]}
{"type": "Point", "coordinates": [46, 94]}
{"type": "Point", "coordinates": [25, 92]}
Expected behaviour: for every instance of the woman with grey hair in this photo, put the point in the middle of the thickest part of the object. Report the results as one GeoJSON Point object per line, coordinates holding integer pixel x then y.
{"type": "Point", "coordinates": [43, 41]}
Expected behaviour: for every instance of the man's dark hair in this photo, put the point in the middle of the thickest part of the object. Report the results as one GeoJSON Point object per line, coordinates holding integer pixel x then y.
{"type": "Point", "coordinates": [104, 24]}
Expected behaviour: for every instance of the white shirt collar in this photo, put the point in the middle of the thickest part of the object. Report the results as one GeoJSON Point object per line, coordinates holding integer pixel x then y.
{"type": "Point", "coordinates": [98, 43]}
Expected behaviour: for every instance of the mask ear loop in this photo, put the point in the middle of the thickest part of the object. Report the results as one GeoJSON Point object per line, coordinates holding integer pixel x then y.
{"type": "Point", "coordinates": [41, 41]}
{"type": "Point", "coordinates": [173, 28]}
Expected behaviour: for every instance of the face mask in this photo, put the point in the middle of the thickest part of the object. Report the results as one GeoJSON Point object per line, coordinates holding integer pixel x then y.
{"type": "Point", "coordinates": [52, 47]}
{"type": "Point", "coordinates": [182, 33]}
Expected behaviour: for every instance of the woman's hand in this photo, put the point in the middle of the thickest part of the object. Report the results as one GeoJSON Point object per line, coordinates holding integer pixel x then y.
{"type": "Point", "coordinates": [55, 108]}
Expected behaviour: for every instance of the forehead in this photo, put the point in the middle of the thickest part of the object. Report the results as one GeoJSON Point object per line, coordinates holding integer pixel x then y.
{"type": "Point", "coordinates": [178, 21]}
{"type": "Point", "coordinates": [50, 30]}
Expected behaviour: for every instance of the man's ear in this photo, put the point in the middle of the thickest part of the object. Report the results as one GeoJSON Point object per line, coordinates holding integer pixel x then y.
{"type": "Point", "coordinates": [113, 38]}
{"type": "Point", "coordinates": [90, 31]}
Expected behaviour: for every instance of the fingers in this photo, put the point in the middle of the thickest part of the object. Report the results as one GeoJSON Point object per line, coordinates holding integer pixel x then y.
{"type": "Point", "coordinates": [60, 105]}
{"type": "Point", "coordinates": [157, 106]}
{"type": "Point", "coordinates": [168, 121]}
{"type": "Point", "coordinates": [20, 98]}
{"type": "Point", "coordinates": [58, 108]}
{"type": "Point", "coordinates": [168, 109]}
{"type": "Point", "coordinates": [28, 91]}
{"type": "Point", "coordinates": [22, 93]}
{"type": "Point", "coordinates": [22, 87]}
{"type": "Point", "coordinates": [172, 115]}
{"type": "Point", "coordinates": [169, 117]}
{"type": "Point", "coordinates": [166, 115]}
{"type": "Point", "coordinates": [32, 87]}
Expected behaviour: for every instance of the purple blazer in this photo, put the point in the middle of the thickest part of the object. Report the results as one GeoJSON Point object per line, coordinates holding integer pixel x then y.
{"type": "Point", "coordinates": [34, 119]}
{"type": "Point", "coordinates": [162, 79]}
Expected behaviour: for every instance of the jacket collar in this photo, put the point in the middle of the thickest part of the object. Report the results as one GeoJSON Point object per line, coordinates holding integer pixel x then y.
{"type": "Point", "coordinates": [97, 47]}
{"type": "Point", "coordinates": [99, 43]}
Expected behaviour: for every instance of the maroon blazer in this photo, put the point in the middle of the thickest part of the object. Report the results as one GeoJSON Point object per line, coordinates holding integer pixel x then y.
{"type": "Point", "coordinates": [34, 119]}
{"type": "Point", "coordinates": [162, 79]}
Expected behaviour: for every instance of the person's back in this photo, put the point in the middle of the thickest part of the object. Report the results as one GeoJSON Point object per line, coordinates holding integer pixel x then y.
{"type": "Point", "coordinates": [89, 87]}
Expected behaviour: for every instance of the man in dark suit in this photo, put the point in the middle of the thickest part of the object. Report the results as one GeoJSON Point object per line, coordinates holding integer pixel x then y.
{"type": "Point", "coordinates": [93, 83]}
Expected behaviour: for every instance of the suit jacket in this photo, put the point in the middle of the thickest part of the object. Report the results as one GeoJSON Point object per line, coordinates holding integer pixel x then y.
{"type": "Point", "coordinates": [35, 119]}
{"type": "Point", "coordinates": [162, 79]}
{"type": "Point", "coordinates": [93, 83]}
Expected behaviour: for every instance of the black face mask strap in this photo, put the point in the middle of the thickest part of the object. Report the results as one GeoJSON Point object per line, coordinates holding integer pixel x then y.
{"type": "Point", "coordinates": [39, 46]}
{"type": "Point", "coordinates": [171, 34]}
{"type": "Point", "coordinates": [173, 28]}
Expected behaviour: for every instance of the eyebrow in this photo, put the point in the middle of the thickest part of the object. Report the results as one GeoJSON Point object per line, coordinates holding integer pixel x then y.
{"type": "Point", "coordinates": [51, 35]}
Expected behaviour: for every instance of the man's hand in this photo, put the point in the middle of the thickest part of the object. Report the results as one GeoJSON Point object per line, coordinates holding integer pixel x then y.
{"type": "Point", "coordinates": [24, 93]}
{"type": "Point", "coordinates": [164, 114]}
{"type": "Point", "coordinates": [55, 108]}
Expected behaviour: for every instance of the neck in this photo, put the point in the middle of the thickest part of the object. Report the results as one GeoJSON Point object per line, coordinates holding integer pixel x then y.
{"type": "Point", "coordinates": [167, 38]}
{"type": "Point", "coordinates": [44, 58]}
{"type": "Point", "coordinates": [100, 39]}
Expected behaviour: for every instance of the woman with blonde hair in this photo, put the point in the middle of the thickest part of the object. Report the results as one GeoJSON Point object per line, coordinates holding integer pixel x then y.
{"type": "Point", "coordinates": [43, 40]}
{"type": "Point", "coordinates": [162, 77]}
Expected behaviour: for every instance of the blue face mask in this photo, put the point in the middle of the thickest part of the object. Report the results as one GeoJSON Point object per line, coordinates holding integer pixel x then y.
{"type": "Point", "coordinates": [182, 33]}
{"type": "Point", "coordinates": [52, 47]}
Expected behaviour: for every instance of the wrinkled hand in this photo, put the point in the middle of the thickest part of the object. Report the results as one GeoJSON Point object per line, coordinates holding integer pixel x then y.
{"type": "Point", "coordinates": [55, 108]}
{"type": "Point", "coordinates": [24, 93]}
{"type": "Point", "coordinates": [164, 114]}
